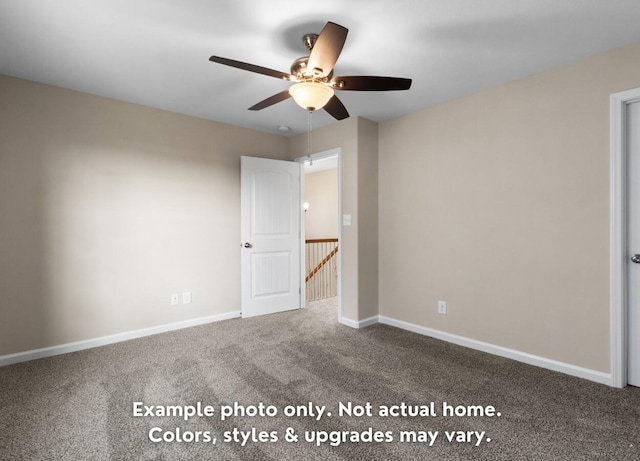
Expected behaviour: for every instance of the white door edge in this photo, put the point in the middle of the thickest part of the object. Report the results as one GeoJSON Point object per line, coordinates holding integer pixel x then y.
{"type": "Point", "coordinates": [618, 243]}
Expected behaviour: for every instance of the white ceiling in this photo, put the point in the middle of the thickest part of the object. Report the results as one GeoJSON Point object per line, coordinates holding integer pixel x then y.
{"type": "Point", "coordinates": [155, 52]}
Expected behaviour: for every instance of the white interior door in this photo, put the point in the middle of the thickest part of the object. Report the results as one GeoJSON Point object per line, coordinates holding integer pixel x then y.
{"type": "Point", "coordinates": [633, 244]}
{"type": "Point", "coordinates": [270, 228]}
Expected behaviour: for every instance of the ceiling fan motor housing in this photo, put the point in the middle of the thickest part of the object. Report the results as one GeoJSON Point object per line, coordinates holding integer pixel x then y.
{"type": "Point", "coordinates": [301, 71]}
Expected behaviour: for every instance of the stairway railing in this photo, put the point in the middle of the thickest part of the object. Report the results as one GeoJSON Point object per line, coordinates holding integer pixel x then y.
{"type": "Point", "coordinates": [321, 268]}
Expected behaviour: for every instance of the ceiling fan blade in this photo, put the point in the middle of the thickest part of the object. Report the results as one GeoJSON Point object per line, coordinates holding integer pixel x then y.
{"type": "Point", "coordinates": [370, 83]}
{"type": "Point", "coordinates": [336, 109]}
{"type": "Point", "coordinates": [252, 68]}
{"type": "Point", "coordinates": [276, 98]}
{"type": "Point", "coordinates": [327, 48]}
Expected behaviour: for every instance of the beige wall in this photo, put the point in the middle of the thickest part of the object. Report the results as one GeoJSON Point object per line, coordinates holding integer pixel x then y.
{"type": "Point", "coordinates": [106, 208]}
{"type": "Point", "coordinates": [368, 218]}
{"type": "Point", "coordinates": [498, 203]}
{"type": "Point", "coordinates": [321, 191]}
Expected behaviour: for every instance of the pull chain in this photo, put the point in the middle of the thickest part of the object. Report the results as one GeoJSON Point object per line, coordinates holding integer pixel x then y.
{"type": "Point", "coordinates": [309, 140]}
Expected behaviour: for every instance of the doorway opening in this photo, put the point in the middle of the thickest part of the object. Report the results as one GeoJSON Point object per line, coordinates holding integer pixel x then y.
{"type": "Point", "coordinates": [321, 230]}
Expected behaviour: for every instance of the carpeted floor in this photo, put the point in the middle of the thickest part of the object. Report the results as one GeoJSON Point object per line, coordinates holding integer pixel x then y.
{"type": "Point", "coordinates": [79, 406]}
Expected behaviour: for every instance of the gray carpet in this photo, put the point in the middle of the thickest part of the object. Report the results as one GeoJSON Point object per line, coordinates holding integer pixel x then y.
{"type": "Point", "coordinates": [79, 406]}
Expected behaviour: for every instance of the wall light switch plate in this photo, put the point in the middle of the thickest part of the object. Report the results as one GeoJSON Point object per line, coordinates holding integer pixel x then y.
{"type": "Point", "coordinates": [175, 299]}
{"type": "Point", "coordinates": [442, 307]}
{"type": "Point", "coordinates": [186, 297]}
{"type": "Point", "coordinates": [346, 219]}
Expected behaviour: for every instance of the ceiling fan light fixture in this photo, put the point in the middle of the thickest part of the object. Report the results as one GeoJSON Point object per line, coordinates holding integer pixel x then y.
{"type": "Point", "coordinates": [311, 95]}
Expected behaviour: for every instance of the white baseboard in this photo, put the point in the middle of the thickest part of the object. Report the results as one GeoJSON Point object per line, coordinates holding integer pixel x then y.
{"type": "Point", "coordinates": [104, 340]}
{"type": "Point", "coordinates": [573, 370]}
{"type": "Point", "coordinates": [357, 324]}
{"type": "Point", "coordinates": [349, 322]}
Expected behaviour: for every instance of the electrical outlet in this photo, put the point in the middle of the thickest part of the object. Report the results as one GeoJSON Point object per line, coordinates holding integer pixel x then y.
{"type": "Point", "coordinates": [442, 307]}
{"type": "Point", "coordinates": [186, 297]}
{"type": "Point", "coordinates": [175, 299]}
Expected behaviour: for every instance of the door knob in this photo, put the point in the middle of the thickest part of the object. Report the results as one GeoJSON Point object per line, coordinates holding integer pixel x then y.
{"type": "Point", "coordinates": [248, 245]}
{"type": "Point", "coordinates": [635, 259]}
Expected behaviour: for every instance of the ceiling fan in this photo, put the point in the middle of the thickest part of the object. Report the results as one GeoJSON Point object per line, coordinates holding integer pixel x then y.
{"type": "Point", "coordinates": [313, 74]}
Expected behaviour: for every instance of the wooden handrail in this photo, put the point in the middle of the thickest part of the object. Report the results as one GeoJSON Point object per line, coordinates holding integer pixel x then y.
{"type": "Point", "coordinates": [322, 263]}
{"type": "Point", "coordinates": [320, 240]}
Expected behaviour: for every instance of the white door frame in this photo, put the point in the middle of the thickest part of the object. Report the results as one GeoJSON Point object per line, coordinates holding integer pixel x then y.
{"type": "Point", "coordinates": [618, 232]}
{"type": "Point", "coordinates": [336, 152]}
